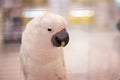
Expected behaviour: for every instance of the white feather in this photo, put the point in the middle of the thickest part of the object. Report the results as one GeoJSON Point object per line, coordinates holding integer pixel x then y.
{"type": "Point", "coordinates": [40, 59]}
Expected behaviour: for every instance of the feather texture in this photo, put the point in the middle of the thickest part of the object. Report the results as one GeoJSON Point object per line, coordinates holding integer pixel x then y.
{"type": "Point", "coordinates": [40, 60]}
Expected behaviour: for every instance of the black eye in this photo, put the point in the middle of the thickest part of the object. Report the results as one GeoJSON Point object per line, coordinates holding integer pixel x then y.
{"type": "Point", "coordinates": [49, 29]}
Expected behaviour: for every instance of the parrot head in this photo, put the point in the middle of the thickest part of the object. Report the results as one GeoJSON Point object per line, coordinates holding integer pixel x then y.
{"type": "Point", "coordinates": [48, 30]}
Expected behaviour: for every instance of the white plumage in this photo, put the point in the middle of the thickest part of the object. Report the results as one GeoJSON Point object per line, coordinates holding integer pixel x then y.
{"type": "Point", "coordinates": [40, 58]}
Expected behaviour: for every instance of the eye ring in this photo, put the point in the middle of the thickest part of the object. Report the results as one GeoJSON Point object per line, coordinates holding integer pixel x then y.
{"type": "Point", "coordinates": [49, 29]}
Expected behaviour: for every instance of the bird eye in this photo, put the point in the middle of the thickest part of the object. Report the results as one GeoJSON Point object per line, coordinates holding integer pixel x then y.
{"type": "Point", "coordinates": [49, 29]}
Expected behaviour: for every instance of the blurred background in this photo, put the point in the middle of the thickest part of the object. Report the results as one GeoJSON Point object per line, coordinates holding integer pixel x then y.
{"type": "Point", "coordinates": [93, 52]}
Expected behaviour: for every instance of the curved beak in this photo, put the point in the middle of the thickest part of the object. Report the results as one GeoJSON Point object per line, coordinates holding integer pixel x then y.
{"type": "Point", "coordinates": [60, 39]}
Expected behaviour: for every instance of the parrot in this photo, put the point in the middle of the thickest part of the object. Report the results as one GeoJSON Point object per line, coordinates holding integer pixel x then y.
{"type": "Point", "coordinates": [41, 51]}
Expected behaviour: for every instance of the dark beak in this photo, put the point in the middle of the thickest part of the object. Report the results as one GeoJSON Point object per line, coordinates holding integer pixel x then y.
{"type": "Point", "coordinates": [60, 39]}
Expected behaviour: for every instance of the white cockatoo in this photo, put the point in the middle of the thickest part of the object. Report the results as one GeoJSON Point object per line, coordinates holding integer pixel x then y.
{"type": "Point", "coordinates": [41, 48]}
